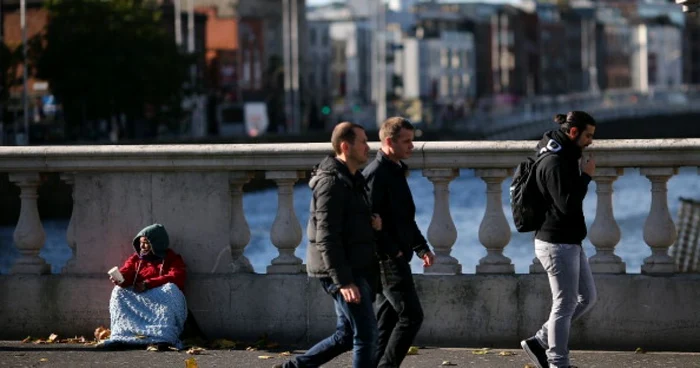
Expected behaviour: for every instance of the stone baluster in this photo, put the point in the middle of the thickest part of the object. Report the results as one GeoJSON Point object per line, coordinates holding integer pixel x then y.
{"type": "Point", "coordinates": [239, 233]}
{"type": "Point", "coordinates": [29, 234]}
{"type": "Point", "coordinates": [659, 229]}
{"type": "Point", "coordinates": [605, 233]}
{"type": "Point", "coordinates": [494, 231]}
{"type": "Point", "coordinates": [69, 178]}
{"type": "Point", "coordinates": [286, 230]}
{"type": "Point", "coordinates": [442, 232]}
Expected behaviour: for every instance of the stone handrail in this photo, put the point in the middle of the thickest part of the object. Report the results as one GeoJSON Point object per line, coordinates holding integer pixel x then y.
{"type": "Point", "coordinates": [303, 156]}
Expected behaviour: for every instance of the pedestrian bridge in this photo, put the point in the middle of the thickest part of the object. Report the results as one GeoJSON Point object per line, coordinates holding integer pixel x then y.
{"type": "Point", "coordinates": [196, 191]}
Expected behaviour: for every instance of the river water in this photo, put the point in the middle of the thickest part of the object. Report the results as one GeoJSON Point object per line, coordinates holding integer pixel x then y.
{"type": "Point", "coordinates": [631, 201]}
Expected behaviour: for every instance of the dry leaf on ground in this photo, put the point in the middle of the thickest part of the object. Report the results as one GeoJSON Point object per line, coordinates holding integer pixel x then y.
{"type": "Point", "coordinates": [448, 363]}
{"type": "Point", "coordinates": [102, 333]}
{"type": "Point", "coordinates": [286, 353]}
{"type": "Point", "coordinates": [52, 337]}
{"type": "Point", "coordinates": [250, 348]}
{"type": "Point", "coordinates": [265, 357]}
{"type": "Point", "coordinates": [195, 350]}
{"type": "Point", "coordinates": [506, 353]}
{"type": "Point", "coordinates": [152, 348]}
{"type": "Point", "coordinates": [640, 351]}
{"type": "Point", "coordinates": [27, 339]}
{"type": "Point", "coordinates": [43, 360]}
{"type": "Point", "coordinates": [528, 365]}
{"type": "Point", "coordinates": [191, 363]}
{"type": "Point", "coordinates": [413, 350]}
{"type": "Point", "coordinates": [481, 351]}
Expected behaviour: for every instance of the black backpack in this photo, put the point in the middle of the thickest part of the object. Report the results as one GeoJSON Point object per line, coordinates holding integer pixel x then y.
{"type": "Point", "coordinates": [526, 201]}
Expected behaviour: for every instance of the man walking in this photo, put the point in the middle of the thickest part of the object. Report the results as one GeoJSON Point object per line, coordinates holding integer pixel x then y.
{"type": "Point", "coordinates": [399, 312]}
{"type": "Point", "coordinates": [342, 250]}
{"type": "Point", "coordinates": [563, 181]}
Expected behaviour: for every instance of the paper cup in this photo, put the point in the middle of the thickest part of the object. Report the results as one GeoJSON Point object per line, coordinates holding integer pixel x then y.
{"type": "Point", "coordinates": [114, 272]}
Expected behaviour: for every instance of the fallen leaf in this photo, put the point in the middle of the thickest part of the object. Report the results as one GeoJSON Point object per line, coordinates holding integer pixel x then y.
{"type": "Point", "coordinates": [152, 348]}
{"type": "Point", "coordinates": [265, 357]}
{"type": "Point", "coordinates": [480, 352]}
{"type": "Point", "coordinates": [250, 348]}
{"type": "Point", "coordinates": [286, 353]}
{"type": "Point", "coordinates": [102, 333]}
{"type": "Point", "coordinates": [191, 363]}
{"type": "Point", "coordinates": [506, 353]}
{"type": "Point", "coordinates": [43, 360]}
{"type": "Point", "coordinates": [195, 351]}
{"type": "Point", "coordinates": [413, 350]}
{"type": "Point", "coordinates": [448, 363]}
{"type": "Point", "coordinates": [27, 339]}
{"type": "Point", "coordinates": [528, 365]}
{"type": "Point", "coordinates": [640, 351]}
{"type": "Point", "coordinates": [52, 337]}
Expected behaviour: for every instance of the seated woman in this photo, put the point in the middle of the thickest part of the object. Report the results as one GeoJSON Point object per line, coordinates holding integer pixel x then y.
{"type": "Point", "coordinates": [148, 307]}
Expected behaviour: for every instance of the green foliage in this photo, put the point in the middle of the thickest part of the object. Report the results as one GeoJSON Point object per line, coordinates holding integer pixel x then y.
{"type": "Point", "coordinates": [103, 58]}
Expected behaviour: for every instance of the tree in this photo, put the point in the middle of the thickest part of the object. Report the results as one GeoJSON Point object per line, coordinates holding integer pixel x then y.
{"type": "Point", "coordinates": [107, 58]}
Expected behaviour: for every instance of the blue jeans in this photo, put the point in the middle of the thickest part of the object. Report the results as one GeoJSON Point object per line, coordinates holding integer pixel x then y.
{"type": "Point", "coordinates": [573, 294]}
{"type": "Point", "coordinates": [356, 330]}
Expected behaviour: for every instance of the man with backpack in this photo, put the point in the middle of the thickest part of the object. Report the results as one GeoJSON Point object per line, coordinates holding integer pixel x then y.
{"type": "Point", "coordinates": [561, 177]}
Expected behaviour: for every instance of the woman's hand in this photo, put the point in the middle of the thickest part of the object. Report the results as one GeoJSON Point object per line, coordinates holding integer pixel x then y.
{"type": "Point", "coordinates": [115, 282]}
{"type": "Point", "coordinates": [376, 222]}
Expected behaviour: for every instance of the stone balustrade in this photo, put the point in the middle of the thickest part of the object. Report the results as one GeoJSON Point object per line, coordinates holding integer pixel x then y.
{"type": "Point", "coordinates": [196, 190]}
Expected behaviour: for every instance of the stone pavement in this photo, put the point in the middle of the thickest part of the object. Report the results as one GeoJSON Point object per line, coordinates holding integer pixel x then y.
{"type": "Point", "coordinates": [15, 354]}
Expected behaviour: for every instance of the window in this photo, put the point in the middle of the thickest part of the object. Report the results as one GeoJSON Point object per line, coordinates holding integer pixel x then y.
{"type": "Point", "coordinates": [312, 36]}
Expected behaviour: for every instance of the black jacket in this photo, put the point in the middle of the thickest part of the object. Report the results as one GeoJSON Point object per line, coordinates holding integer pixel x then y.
{"type": "Point", "coordinates": [392, 200]}
{"type": "Point", "coordinates": [564, 186]}
{"type": "Point", "coordinates": [341, 238]}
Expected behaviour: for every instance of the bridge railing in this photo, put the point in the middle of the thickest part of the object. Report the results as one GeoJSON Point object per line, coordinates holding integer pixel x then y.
{"type": "Point", "coordinates": [197, 190]}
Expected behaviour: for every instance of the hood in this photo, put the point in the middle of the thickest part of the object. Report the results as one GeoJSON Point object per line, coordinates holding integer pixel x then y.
{"type": "Point", "coordinates": [158, 237]}
{"type": "Point", "coordinates": [557, 141]}
{"type": "Point", "coordinates": [330, 167]}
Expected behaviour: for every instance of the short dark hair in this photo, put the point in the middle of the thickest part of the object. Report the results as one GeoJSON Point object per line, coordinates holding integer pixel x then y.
{"type": "Point", "coordinates": [574, 119]}
{"type": "Point", "coordinates": [391, 127]}
{"type": "Point", "coordinates": [344, 132]}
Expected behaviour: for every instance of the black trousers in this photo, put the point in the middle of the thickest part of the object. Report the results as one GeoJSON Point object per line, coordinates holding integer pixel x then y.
{"type": "Point", "coordinates": [399, 313]}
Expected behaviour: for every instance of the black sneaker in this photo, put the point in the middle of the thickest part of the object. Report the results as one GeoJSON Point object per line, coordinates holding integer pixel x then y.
{"type": "Point", "coordinates": [535, 352]}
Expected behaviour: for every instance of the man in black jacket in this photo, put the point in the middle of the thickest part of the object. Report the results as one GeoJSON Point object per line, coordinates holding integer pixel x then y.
{"type": "Point", "coordinates": [399, 312]}
{"type": "Point", "coordinates": [563, 180]}
{"type": "Point", "coordinates": [342, 250]}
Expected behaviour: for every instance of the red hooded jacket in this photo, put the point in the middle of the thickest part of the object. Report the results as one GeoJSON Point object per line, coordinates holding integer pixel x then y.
{"type": "Point", "coordinates": [162, 267]}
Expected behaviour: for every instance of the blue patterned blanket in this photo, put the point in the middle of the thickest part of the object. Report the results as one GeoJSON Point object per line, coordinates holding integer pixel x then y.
{"type": "Point", "coordinates": [153, 316]}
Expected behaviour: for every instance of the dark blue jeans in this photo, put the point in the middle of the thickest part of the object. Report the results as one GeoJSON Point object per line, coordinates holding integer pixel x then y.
{"type": "Point", "coordinates": [356, 330]}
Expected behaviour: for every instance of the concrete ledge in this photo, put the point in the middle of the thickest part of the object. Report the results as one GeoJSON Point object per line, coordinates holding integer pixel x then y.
{"type": "Point", "coordinates": [657, 313]}
{"type": "Point", "coordinates": [295, 156]}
